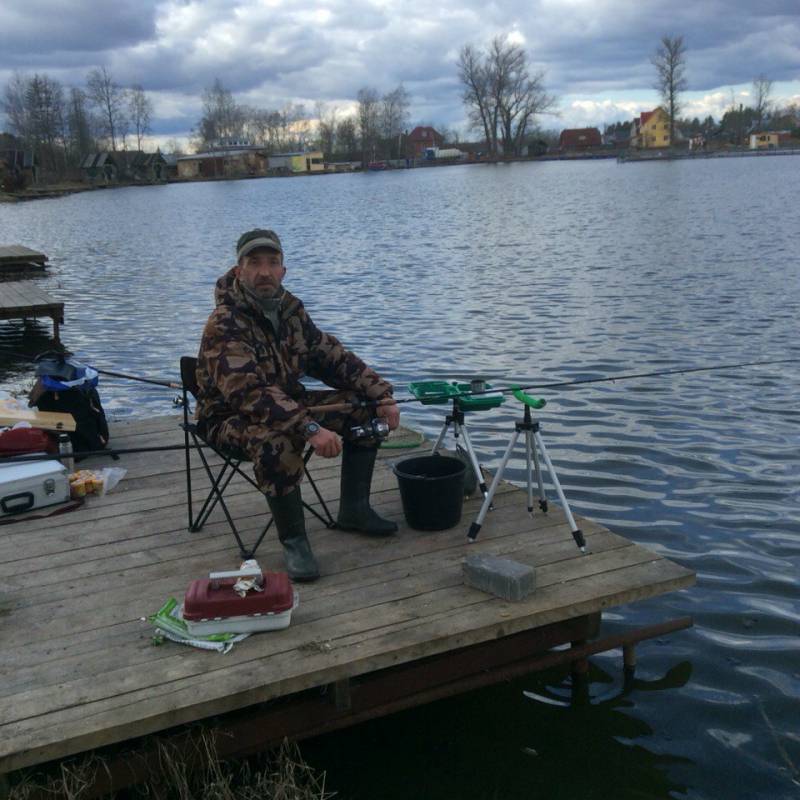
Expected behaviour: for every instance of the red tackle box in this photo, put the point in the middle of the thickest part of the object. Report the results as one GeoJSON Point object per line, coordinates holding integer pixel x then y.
{"type": "Point", "coordinates": [212, 606]}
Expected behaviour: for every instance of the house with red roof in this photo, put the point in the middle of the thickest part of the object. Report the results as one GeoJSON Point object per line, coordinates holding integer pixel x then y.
{"type": "Point", "coordinates": [421, 138]}
{"type": "Point", "coordinates": [579, 139]}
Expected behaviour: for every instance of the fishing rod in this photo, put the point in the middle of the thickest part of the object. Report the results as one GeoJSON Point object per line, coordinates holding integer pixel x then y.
{"type": "Point", "coordinates": [552, 385]}
{"type": "Point", "coordinates": [111, 452]}
{"type": "Point", "coordinates": [154, 381]}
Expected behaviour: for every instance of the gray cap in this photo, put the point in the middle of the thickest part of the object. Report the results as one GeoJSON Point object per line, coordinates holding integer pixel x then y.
{"type": "Point", "coordinates": [259, 237]}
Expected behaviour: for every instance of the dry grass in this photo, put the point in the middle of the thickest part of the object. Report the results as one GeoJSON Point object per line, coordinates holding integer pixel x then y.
{"type": "Point", "coordinates": [194, 773]}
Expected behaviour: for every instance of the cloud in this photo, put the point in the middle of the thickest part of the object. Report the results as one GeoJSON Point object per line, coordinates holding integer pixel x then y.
{"type": "Point", "coordinates": [595, 53]}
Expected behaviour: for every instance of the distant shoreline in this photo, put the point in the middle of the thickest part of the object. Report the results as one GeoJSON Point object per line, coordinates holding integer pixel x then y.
{"type": "Point", "coordinates": [56, 190]}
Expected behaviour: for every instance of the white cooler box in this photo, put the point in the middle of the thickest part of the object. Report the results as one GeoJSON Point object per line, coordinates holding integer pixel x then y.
{"type": "Point", "coordinates": [32, 484]}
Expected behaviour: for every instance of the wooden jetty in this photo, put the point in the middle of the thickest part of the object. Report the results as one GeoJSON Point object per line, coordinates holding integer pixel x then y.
{"type": "Point", "coordinates": [16, 259]}
{"type": "Point", "coordinates": [25, 300]}
{"type": "Point", "coordinates": [389, 625]}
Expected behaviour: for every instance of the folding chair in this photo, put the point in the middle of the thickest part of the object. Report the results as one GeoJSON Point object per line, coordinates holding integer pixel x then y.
{"type": "Point", "coordinates": [220, 477]}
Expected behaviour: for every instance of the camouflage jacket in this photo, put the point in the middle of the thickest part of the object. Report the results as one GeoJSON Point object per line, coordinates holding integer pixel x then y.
{"type": "Point", "coordinates": [244, 370]}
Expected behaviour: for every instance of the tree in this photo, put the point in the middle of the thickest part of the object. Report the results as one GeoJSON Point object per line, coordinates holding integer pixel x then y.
{"type": "Point", "coordinates": [140, 111]}
{"type": "Point", "coordinates": [762, 89]}
{"type": "Point", "coordinates": [670, 63]}
{"type": "Point", "coordinates": [223, 117]}
{"type": "Point", "coordinates": [347, 137]}
{"type": "Point", "coordinates": [79, 126]}
{"type": "Point", "coordinates": [108, 97]}
{"type": "Point", "coordinates": [502, 95]}
{"type": "Point", "coordinates": [174, 146]}
{"type": "Point", "coordinates": [367, 120]}
{"type": "Point", "coordinates": [326, 128]}
{"type": "Point", "coordinates": [13, 105]}
{"type": "Point", "coordinates": [473, 73]}
{"type": "Point", "coordinates": [394, 118]}
{"type": "Point", "coordinates": [517, 94]}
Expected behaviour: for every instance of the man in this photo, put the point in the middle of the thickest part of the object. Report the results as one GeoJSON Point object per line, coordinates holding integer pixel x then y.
{"type": "Point", "coordinates": [257, 345]}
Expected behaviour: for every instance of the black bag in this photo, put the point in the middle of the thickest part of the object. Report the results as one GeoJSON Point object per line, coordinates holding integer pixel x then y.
{"type": "Point", "coordinates": [91, 427]}
{"type": "Point", "coordinates": [65, 385]}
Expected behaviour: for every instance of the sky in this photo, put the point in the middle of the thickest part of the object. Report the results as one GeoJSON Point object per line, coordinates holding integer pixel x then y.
{"type": "Point", "coordinates": [595, 54]}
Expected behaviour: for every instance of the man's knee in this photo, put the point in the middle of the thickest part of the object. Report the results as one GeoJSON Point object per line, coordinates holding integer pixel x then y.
{"type": "Point", "coordinates": [277, 462]}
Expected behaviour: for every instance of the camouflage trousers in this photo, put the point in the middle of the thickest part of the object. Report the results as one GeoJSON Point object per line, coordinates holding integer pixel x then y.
{"type": "Point", "coordinates": [278, 457]}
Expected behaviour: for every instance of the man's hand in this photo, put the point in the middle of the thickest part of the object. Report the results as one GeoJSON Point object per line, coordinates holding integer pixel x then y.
{"type": "Point", "coordinates": [389, 410]}
{"type": "Point", "coordinates": [326, 443]}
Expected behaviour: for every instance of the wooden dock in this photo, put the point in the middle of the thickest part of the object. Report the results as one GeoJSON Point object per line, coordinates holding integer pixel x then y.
{"type": "Point", "coordinates": [25, 300]}
{"type": "Point", "coordinates": [16, 259]}
{"type": "Point", "coordinates": [390, 624]}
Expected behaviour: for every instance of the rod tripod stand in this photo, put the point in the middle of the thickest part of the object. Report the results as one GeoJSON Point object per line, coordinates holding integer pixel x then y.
{"type": "Point", "coordinates": [534, 445]}
{"type": "Point", "coordinates": [456, 419]}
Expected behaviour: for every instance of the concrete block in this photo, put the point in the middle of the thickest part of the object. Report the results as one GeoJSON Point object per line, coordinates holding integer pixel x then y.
{"type": "Point", "coordinates": [499, 576]}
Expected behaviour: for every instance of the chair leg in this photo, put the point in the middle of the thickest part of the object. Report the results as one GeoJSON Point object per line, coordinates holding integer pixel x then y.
{"type": "Point", "coordinates": [210, 504]}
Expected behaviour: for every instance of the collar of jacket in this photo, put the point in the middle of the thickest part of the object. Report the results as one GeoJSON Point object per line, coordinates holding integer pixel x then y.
{"type": "Point", "coordinates": [228, 292]}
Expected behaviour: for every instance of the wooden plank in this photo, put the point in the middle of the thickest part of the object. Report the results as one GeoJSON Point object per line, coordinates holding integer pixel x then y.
{"type": "Point", "coordinates": [156, 708]}
{"type": "Point", "coordinates": [49, 420]}
{"type": "Point", "coordinates": [77, 668]}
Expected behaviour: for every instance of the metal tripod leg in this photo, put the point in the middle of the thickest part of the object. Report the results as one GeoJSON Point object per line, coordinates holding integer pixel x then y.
{"type": "Point", "coordinates": [473, 458]}
{"type": "Point", "coordinates": [440, 440]}
{"type": "Point", "coordinates": [538, 470]}
{"type": "Point", "coordinates": [577, 534]}
{"type": "Point", "coordinates": [474, 529]}
{"type": "Point", "coordinates": [529, 471]}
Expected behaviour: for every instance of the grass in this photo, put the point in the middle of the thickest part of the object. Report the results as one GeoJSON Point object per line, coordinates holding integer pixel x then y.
{"type": "Point", "coordinates": [194, 772]}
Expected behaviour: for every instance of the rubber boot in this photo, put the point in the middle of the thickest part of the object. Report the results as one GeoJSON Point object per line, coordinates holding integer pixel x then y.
{"type": "Point", "coordinates": [289, 516]}
{"type": "Point", "coordinates": [355, 512]}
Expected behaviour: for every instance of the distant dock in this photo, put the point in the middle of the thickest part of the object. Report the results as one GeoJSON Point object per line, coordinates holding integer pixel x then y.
{"type": "Point", "coordinates": [24, 300]}
{"type": "Point", "coordinates": [16, 259]}
{"type": "Point", "coordinates": [667, 156]}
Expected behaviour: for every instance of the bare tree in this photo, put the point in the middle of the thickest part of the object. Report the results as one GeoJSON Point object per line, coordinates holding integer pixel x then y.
{"type": "Point", "coordinates": [223, 117]}
{"type": "Point", "coordinates": [140, 112]}
{"type": "Point", "coordinates": [517, 96]}
{"type": "Point", "coordinates": [174, 146]}
{"type": "Point", "coordinates": [44, 101]}
{"type": "Point", "coordinates": [326, 127]}
{"type": "Point", "coordinates": [394, 117]}
{"type": "Point", "coordinates": [13, 105]}
{"type": "Point", "coordinates": [108, 97]}
{"type": "Point", "coordinates": [368, 120]}
{"type": "Point", "coordinates": [79, 125]}
{"type": "Point", "coordinates": [670, 63]}
{"type": "Point", "coordinates": [474, 76]}
{"type": "Point", "coordinates": [502, 95]}
{"type": "Point", "coordinates": [762, 90]}
{"type": "Point", "coordinates": [347, 136]}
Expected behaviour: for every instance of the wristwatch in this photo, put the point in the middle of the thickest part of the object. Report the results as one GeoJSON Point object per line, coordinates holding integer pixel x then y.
{"type": "Point", "coordinates": [312, 428]}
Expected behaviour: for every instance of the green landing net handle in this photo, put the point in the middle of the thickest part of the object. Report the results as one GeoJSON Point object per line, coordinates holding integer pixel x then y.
{"type": "Point", "coordinates": [527, 399]}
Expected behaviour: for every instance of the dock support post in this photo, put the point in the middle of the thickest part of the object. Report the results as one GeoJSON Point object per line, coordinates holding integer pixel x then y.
{"type": "Point", "coordinates": [629, 656]}
{"type": "Point", "coordinates": [340, 694]}
{"type": "Point", "coordinates": [56, 335]}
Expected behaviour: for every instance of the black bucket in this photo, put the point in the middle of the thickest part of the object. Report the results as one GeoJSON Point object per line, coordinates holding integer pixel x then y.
{"type": "Point", "coordinates": [432, 491]}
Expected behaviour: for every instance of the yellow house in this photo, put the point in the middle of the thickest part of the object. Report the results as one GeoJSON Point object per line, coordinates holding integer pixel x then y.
{"type": "Point", "coordinates": [764, 141]}
{"type": "Point", "coordinates": [651, 129]}
{"type": "Point", "coordinates": [311, 161]}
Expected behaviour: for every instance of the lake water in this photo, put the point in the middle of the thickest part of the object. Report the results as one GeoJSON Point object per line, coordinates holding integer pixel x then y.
{"type": "Point", "coordinates": [528, 273]}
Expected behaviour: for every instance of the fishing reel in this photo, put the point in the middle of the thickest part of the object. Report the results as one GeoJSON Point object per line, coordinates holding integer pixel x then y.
{"type": "Point", "coordinates": [377, 429]}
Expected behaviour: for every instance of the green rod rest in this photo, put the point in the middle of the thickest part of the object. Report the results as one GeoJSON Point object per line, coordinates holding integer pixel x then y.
{"type": "Point", "coordinates": [527, 399]}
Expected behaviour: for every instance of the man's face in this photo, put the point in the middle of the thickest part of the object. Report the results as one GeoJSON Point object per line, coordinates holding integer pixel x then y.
{"type": "Point", "coordinates": [262, 271]}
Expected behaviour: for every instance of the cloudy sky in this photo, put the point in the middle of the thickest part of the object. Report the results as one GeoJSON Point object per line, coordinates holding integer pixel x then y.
{"type": "Point", "coordinates": [595, 53]}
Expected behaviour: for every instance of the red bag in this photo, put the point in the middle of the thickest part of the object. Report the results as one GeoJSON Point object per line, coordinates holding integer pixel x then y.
{"type": "Point", "coordinates": [19, 441]}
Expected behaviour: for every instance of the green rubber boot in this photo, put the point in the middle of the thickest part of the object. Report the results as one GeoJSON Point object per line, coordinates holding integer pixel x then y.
{"type": "Point", "coordinates": [355, 512]}
{"type": "Point", "coordinates": [287, 511]}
